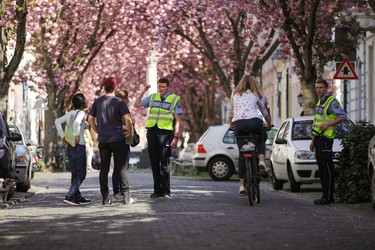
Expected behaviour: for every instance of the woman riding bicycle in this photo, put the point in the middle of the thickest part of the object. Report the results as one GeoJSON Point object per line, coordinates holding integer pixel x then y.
{"type": "Point", "coordinates": [243, 114]}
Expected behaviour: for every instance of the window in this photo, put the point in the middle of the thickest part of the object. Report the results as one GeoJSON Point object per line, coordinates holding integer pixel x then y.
{"type": "Point", "coordinates": [302, 130]}
{"type": "Point", "coordinates": [229, 137]}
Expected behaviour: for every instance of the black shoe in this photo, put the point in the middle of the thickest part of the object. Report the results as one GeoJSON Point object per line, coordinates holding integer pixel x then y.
{"type": "Point", "coordinates": [83, 201]}
{"type": "Point", "coordinates": [322, 201]}
{"type": "Point", "coordinates": [155, 195]}
{"type": "Point", "coordinates": [106, 201]}
{"type": "Point", "coordinates": [71, 200]}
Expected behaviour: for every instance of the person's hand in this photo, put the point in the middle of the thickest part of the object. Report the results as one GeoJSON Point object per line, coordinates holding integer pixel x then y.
{"type": "Point", "coordinates": [231, 126]}
{"type": "Point", "coordinates": [126, 133]}
{"type": "Point", "coordinates": [324, 126]}
{"type": "Point", "coordinates": [174, 142]}
{"type": "Point", "coordinates": [267, 126]}
{"type": "Point", "coordinates": [147, 87]}
{"type": "Point", "coordinates": [312, 147]}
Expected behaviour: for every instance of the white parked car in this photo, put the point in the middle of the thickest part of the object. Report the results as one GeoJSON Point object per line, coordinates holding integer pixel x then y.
{"type": "Point", "coordinates": [217, 152]}
{"type": "Point", "coordinates": [186, 154]}
{"type": "Point", "coordinates": [371, 169]}
{"type": "Point", "coordinates": [291, 158]}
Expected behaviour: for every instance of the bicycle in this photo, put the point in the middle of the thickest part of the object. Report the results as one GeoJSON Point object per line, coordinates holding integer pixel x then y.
{"type": "Point", "coordinates": [248, 149]}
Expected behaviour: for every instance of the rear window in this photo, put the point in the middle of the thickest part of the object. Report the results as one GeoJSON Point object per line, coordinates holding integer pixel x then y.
{"type": "Point", "coordinates": [229, 137]}
{"type": "Point", "coordinates": [204, 135]}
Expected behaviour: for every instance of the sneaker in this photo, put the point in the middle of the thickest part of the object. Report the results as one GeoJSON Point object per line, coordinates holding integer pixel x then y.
{"type": "Point", "coordinates": [106, 201]}
{"type": "Point", "coordinates": [167, 196]}
{"type": "Point", "coordinates": [242, 190]}
{"type": "Point", "coordinates": [83, 201]}
{"type": "Point", "coordinates": [118, 197]}
{"type": "Point", "coordinates": [263, 171]}
{"type": "Point", "coordinates": [129, 200]}
{"type": "Point", "coordinates": [71, 200]}
{"type": "Point", "coordinates": [154, 195]}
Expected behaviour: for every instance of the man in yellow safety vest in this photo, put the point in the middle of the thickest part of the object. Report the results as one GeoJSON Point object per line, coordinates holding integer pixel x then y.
{"type": "Point", "coordinates": [163, 131]}
{"type": "Point", "coordinates": [328, 113]}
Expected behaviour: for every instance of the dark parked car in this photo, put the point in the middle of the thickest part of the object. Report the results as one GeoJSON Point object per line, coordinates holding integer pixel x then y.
{"type": "Point", "coordinates": [8, 152]}
{"type": "Point", "coordinates": [24, 165]}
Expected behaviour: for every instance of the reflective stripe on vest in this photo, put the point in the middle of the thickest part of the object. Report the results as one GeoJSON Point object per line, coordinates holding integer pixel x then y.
{"type": "Point", "coordinates": [161, 112]}
{"type": "Point", "coordinates": [321, 117]}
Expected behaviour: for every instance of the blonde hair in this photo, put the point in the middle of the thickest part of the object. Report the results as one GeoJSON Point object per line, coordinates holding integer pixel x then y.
{"type": "Point", "coordinates": [248, 82]}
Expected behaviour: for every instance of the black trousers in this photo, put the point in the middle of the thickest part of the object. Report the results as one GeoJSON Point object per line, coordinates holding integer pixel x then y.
{"type": "Point", "coordinates": [159, 151]}
{"type": "Point", "coordinates": [323, 151]}
{"type": "Point", "coordinates": [119, 150]}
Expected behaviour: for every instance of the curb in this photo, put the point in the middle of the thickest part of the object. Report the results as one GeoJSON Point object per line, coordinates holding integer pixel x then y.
{"type": "Point", "coordinates": [17, 198]}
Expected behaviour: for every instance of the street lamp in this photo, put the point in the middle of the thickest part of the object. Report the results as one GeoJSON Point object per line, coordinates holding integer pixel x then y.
{"type": "Point", "coordinates": [277, 56]}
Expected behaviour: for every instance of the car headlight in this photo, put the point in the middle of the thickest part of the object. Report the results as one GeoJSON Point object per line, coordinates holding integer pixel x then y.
{"type": "Point", "coordinates": [305, 155]}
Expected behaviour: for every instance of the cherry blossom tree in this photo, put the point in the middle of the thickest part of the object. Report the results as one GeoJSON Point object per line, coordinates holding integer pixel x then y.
{"type": "Point", "coordinates": [308, 26]}
{"type": "Point", "coordinates": [12, 42]}
{"type": "Point", "coordinates": [66, 37]}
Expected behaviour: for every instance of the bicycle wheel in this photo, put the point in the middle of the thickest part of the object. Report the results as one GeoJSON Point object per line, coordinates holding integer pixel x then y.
{"type": "Point", "coordinates": [249, 183]}
{"type": "Point", "coordinates": [256, 180]}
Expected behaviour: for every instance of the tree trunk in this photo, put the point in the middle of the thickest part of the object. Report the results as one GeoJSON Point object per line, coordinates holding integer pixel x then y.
{"type": "Point", "coordinates": [50, 133]}
{"type": "Point", "coordinates": [309, 97]}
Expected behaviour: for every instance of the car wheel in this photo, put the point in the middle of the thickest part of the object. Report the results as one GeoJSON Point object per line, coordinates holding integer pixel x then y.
{"type": "Point", "coordinates": [373, 189]}
{"type": "Point", "coordinates": [276, 183]}
{"type": "Point", "coordinates": [294, 185]}
{"type": "Point", "coordinates": [220, 168]}
{"type": "Point", "coordinates": [24, 187]}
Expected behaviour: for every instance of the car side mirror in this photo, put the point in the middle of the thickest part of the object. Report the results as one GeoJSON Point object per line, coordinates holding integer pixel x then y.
{"type": "Point", "coordinates": [15, 137]}
{"type": "Point", "coordinates": [280, 141]}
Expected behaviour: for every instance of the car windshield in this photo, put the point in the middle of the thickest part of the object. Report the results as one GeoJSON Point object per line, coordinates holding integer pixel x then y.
{"type": "Point", "coordinates": [302, 129]}
{"type": "Point", "coordinates": [270, 136]}
{"type": "Point", "coordinates": [13, 129]}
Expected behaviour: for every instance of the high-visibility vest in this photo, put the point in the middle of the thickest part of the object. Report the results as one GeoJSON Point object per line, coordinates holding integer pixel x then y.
{"type": "Point", "coordinates": [321, 117]}
{"type": "Point", "coordinates": [161, 112]}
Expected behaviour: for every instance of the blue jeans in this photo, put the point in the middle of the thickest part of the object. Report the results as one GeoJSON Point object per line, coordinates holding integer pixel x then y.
{"type": "Point", "coordinates": [120, 156]}
{"type": "Point", "coordinates": [256, 126]}
{"type": "Point", "coordinates": [77, 164]}
{"type": "Point", "coordinates": [116, 175]}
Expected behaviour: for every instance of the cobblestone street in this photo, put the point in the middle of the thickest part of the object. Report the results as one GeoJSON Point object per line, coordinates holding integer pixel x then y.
{"type": "Point", "coordinates": [202, 214]}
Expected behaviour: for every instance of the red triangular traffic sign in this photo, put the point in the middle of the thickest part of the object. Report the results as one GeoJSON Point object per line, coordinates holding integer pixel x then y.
{"type": "Point", "coordinates": [346, 71]}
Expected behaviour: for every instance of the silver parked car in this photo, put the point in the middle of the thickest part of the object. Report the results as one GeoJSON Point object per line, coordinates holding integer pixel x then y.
{"type": "Point", "coordinates": [24, 164]}
{"type": "Point", "coordinates": [217, 152]}
{"type": "Point", "coordinates": [371, 169]}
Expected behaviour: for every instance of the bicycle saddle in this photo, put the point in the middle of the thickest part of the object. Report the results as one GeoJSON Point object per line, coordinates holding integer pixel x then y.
{"type": "Point", "coordinates": [248, 147]}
